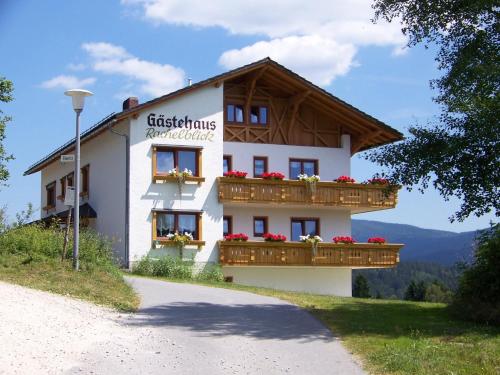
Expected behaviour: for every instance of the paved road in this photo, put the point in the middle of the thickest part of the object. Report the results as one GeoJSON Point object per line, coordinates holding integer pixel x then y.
{"type": "Point", "coordinates": [202, 330]}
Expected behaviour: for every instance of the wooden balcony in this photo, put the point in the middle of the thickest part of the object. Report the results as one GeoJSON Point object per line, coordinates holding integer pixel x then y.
{"type": "Point", "coordinates": [261, 253]}
{"type": "Point", "coordinates": [357, 197]}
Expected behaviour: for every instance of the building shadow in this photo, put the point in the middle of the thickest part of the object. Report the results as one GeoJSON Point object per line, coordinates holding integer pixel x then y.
{"type": "Point", "coordinates": [260, 321]}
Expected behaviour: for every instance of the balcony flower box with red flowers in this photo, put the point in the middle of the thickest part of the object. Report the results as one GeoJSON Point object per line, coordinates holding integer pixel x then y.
{"type": "Point", "coordinates": [235, 174]}
{"type": "Point", "coordinates": [242, 237]}
{"type": "Point", "coordinates": [379, 240]}
{"type": "Point", "coordinates": [345, 180]}
{"type": "Point", "coordinates": [378, 181]}
{"type": "Point", "coordinates": [273, 176]}
{"type": "Point", "coordinates": [343, 239]}
{"type": "Point", "coordinates": [271, 237]}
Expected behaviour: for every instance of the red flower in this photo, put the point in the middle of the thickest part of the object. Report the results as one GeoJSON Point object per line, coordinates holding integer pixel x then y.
{"type": "Point", "coordinates": [236, 237]}
{"type": "Point", "coordinates": [343, 239]}
{"type": "Point", "coordinates": [379, 240]}
{"type": "Point", "coordinates": [270, 237]}
{"type": "Point", "coordinates": [235, 174]}
{"type": "Point", "coordinates": [378, 181]}
{"type": "Point", "coordinates": [345, 180]}
{"type": "Point", "coordinates": [273, 176]}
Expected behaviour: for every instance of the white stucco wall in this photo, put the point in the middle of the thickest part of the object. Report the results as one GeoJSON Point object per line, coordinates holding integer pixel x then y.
{"type": "Point", "coordinates": [332, 162]}
{"type": "Point", "coordinates": [203, 104]}
{"type": "Point", "coordinates": [329, 281]}
{"type": "Point", "coordinates": [105, 155]}
{"type": "Point", "coordinates": [333, 222]}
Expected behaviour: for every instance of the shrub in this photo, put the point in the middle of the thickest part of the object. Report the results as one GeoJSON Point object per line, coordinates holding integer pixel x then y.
{"type": "Point", "coordinates": [478, 294]}
{"type": "Point", "coordinates": [361, 288]}
{"type": "Point", "coordinates": [211, 273]}
{"type": "Point", "coordinates": [175, 268]}
{"type": "Point", "coordinates": [38, 243]}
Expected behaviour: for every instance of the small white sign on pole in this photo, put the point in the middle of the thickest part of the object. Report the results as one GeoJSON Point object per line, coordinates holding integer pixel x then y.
{"type": "Point", "coordinates": [69, 197]}
{"type": "Point", "coordinates": [68, 158]}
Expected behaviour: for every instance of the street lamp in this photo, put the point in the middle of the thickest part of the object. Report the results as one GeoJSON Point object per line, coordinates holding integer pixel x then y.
{"type": "Point", "coordinates": [78, 98]}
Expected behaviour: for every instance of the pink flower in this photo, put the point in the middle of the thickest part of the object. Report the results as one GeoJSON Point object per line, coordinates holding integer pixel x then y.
{"type": "Point", "coordinates": [345, 180]}
{"type": "Point", "coordinates": [343, 239]}
{"type": "Point", "coordinates": [379, 240]}
{"type": "Point", "coordinates": [236, 237]}
{"type": "Point", "coordinates": [378, 181]}
{"type": "Point", "coordinates": [273, 176]}
{"type": "Point", "coordinates": [235, 174]}
{"type": "Point", "coordinates": [270, 237]}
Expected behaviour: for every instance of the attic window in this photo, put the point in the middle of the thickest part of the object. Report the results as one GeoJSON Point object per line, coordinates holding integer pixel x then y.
{"type": "Point", "coordinates": [235, 113]}
{"type": "Point", "coordinates": [258, 115]}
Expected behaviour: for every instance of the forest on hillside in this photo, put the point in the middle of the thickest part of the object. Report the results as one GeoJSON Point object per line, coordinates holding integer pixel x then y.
{"type": "Point", "coordinates": [393, 282]}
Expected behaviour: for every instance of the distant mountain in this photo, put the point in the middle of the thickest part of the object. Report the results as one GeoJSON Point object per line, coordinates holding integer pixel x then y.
{"type": "Point", "coordinates": [424, 245]}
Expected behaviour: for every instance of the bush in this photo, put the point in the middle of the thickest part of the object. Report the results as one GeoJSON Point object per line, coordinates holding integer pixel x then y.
{"type": "Point", "coordinates": [211, 273]}
{"type": "Point", "coordinates": [478, 294]}
{"type": "Point", "coordinates": [39, 243]}
{"type": "Point", "coordinates": [175, 268]}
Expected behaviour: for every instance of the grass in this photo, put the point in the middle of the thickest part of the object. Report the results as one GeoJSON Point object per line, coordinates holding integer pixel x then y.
{"type": "Point", "coordinates": [30, 256]}
{"type": "Point", "coordinates": [399, 337]}
{"type": "Point", "coordinates": [98, 286]}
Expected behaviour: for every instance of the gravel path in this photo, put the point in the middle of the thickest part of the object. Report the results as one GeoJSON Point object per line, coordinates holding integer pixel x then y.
{"type": "Point", "coordinates": [179, 329]}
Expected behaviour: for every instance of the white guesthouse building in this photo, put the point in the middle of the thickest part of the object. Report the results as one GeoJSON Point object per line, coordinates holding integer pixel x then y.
{"type": "Point", "coordinates": [257, 119]}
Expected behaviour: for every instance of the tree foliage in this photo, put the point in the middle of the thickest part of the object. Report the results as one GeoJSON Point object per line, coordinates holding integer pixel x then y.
{"type": "Point", "coordinates": [478, 295]}
{"type": "Point", "coordinates": [361, 288]}
{"type": "Point", "coordinates": [6, 89]}
{"type": "Point", "coordinates": [415, 291]}
{"type": "Point", "coordinates": [459, 153]}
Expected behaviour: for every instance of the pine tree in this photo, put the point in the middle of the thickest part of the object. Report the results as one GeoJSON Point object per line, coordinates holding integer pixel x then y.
{"type": "Point", "coordinates": [361, 288]}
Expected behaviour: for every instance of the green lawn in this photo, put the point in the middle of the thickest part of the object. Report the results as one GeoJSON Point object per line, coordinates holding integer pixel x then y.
{"type": "Point", "coordinates": [101, 286]}
{"type": "Point", "coordinates": [399, 337]}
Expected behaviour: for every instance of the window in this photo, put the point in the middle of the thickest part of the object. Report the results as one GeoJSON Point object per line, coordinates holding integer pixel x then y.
{"type": "Point", "coordinates": [259, 166]}
{"type": "Point", "coordinates": [235, 113]}
{"type": "Point", "coordinates": [51, 195]}
{"type": "Point", "coordinates": [62, 181]}
{"type": "Point", "coordinates": [227, 224]}
{"type": "Point", "coordinates": [85, 180]}
{"type": "Point", "coordinates": [167, 158]}
{"type": "Point", "coordinates": [258, 115]}
{"type": "Point", "coordinates": [227, 163]}
{"type": "Point", "coordinates": [302, 166]}
{"type": "Point", "coordinates": [69, 180]}
{"type": "Point", "coordinates": [259, 226]}
{"type": "Point", "coordinates": [166, 222]}
{"type": "Point", "coordinates": [303, 227]}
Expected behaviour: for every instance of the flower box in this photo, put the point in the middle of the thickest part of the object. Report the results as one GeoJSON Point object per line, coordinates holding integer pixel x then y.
{"type": "Point", "coordinates": [378, 181]}
{"type": "Point", "coordinates": [379, 240]}
{"type": "Point", "coordinates": [235, 174]}
{"type": "Point", "coordinates": [273, 176]}
{"type": "Point", "coordinates": [343, 239]}
{"type": "Point", "coordinates": [345, 180]}
{"type": "Point", "coordinates": [236, 237]}
{"type": "Point", "coordinates": [271, 237]}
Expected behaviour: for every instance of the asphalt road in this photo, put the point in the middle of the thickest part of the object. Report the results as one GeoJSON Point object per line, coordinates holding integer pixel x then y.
{"type": "Point", "coordinates": [201, 330]}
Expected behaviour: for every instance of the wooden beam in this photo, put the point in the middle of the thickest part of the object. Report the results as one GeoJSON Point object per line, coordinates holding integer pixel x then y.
{"type": "Point", "coordinates": [360, 142]}
{"type": "Point", "coordinates": [295, 102]}
{"type": "Point", "coordinates": [251, 88]}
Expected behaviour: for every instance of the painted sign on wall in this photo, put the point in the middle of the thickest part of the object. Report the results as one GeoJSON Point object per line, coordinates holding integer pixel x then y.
{"type": "Point", "coordinates": [179, 127]}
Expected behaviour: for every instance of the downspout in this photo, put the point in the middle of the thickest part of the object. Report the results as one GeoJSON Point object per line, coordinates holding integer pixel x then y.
{"type": "Point", "coordinates": [127, 188]}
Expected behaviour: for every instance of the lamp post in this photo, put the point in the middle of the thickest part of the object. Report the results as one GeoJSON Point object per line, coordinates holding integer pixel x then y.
{"type": "Point", "coordinates": [78, 98]}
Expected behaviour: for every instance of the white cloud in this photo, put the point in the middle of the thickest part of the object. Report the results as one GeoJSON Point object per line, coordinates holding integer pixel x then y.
{"type": "Point", "coordinates": [330, 59]}
{"type": "Point", "coordinates": [154, 79]}
{"type": "Point", "coordinates": [331, 26]}
{"type": "Point", "coordinates": [67, 82]}
{"type": "Point", "coordinates": [76, 67]}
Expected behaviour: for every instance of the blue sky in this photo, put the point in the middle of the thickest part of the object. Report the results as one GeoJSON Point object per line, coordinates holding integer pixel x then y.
{"type": "Point", "coordinates": [149, 47]}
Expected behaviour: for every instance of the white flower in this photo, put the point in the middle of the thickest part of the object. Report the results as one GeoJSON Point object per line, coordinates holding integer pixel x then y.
{"type": "Point", "coordinates": [318, 238]}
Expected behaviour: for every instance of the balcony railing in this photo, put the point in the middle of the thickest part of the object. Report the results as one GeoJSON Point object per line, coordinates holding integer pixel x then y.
{"type": "Point", "coordinates": [261, 253]}
{"type": "Point", "coordinates": [361, 197]}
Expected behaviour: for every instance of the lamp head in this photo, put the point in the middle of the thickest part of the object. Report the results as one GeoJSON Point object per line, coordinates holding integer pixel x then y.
{"type": "Point", "coordinates": [78, 98]}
